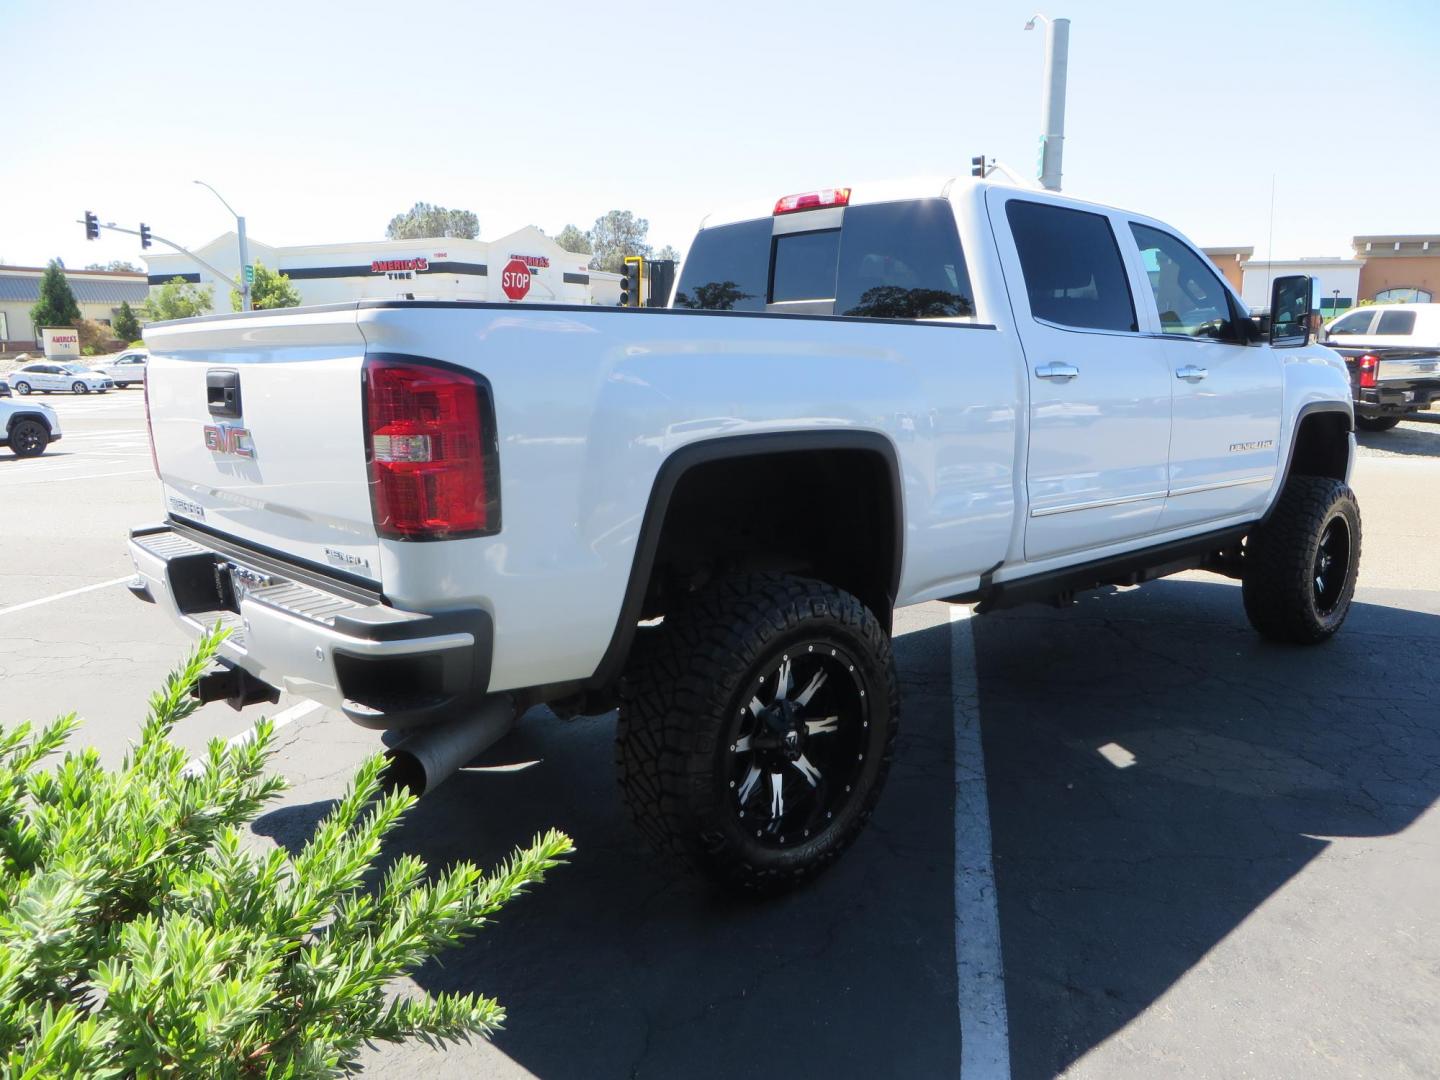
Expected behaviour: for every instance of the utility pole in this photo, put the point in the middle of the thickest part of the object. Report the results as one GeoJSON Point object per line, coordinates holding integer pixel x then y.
{"type": "Point", "coordinates": [1057, 63]}
{"type": "Point", "coordinates": [244, 248]}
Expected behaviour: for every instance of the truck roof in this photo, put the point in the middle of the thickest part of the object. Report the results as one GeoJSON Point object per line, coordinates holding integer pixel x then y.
{"type": "Point", "coordinates": [879, 191]}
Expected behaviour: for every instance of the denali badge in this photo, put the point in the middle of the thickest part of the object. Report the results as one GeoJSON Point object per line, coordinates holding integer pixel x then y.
{"type": "Point", "coordinates": [225, 439]}
{"type": "Point", "coordinates": [344, 558]}
{"type": "Point", "coordinates": [1262, 444]}
{"type": "Point", "coordinates": [185, 506]}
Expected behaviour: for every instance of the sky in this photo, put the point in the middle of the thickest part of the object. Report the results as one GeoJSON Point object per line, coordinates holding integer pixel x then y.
{"type": "Point", "coordinates": [320, 121]}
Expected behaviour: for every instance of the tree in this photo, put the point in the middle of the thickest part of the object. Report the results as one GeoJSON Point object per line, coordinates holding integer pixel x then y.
{"type": "Point", "coordinates": [115, 264]}
{"type": "Point", "coordinates": [713, 296]}
{"type": "Point", "coordinates": [178, 299]}
{"type": "Point", "coordinates": [270, 289]}
{"type": "Point", "coordinates": [125, 324]}
{"type": "Point", "coordinates": [57, 306]}
{"type": "Point", "coordinates": [142, 936]}
{"type": "Point", "coordinates": [423, 220]}
{"type": "Point", "coordinates": [572, 239]}
{"type": "Point", "coordinates": [666, 253]}
{"type": "Point", "coordinates": [617, 234]}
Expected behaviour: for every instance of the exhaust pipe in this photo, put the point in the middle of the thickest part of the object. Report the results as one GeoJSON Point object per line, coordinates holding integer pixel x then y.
{"type": "Point", "coordinates": [429, 757]}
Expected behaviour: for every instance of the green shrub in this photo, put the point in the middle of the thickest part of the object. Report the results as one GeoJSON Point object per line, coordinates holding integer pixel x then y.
{"type": "Point", "coordinates": [139, 937]}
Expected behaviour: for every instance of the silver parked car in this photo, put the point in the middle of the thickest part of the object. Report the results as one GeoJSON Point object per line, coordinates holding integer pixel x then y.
{"type": "Point", "coordinates": [46, 376]}
{"type": "Point", "coordinates": [126, 368]}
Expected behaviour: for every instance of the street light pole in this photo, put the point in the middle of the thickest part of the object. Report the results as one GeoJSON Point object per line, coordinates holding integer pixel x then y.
{"type": "Point", "coordinates": [1057, 64]}
{"type": "Point", "coordinates": [244, 247]}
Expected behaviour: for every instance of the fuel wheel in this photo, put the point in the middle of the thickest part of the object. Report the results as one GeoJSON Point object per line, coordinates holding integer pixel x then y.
{"type": "Point", "coordinates": [756, 728]}
{"type": "Point", "coordinates": [1300, 566]}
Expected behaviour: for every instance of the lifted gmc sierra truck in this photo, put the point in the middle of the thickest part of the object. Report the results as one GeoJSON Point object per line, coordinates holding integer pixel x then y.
{"type": "Point", "coordinates": [434, 515]}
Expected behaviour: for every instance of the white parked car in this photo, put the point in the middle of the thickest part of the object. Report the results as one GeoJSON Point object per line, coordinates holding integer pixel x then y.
{"type": "Point", "coordinates": [27, 429]}
{"type": "Point", "coordinates": [46, 376]}
{"type": "Point", "coordinates": [1413, 325]}
{"type": "Point", "coordinates": [126, 368]}
{"type": "Point", "coordinates": [431, 515]}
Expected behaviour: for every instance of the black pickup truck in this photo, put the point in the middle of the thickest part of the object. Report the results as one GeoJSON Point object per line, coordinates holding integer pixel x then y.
{"type": "Point", "coordinates": [1388, 382]}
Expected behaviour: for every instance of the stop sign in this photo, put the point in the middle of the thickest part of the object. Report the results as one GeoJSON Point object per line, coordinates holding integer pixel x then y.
{"type": "Point", "coordinates": [515, 279]}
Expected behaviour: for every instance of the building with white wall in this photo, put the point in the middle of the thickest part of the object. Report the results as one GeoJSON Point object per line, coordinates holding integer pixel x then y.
{"type": "Point", "coordinates": [433, 269]}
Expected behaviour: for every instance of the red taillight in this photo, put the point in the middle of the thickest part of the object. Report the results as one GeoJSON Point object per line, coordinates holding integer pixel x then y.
{"type": "Point", "coordinates": [814, 200]}
{"type": "Point", "coordinates": [1369, 370]}
{"type": "Point", "coordinates": [431, 450]}
{"type": "Point", "coordinates": [149, 427]}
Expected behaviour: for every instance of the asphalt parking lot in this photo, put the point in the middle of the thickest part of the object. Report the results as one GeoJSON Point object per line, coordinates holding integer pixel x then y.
{"type": "Point", "coordinates": [1213, 856]}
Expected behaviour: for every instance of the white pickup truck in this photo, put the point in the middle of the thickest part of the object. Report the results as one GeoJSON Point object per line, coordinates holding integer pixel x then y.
{"type": "Point", "coordinates": [430, 515]}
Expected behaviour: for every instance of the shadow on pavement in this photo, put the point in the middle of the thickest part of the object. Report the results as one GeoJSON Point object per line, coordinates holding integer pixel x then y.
{"type": "Point", "coordinates": [1116, 877]}
{"type": "Point", "coordinates": [1113, 881]}
{"type": "Point", "coordinates": [1417, 436]}
{"type": "Point", "coordinates": [617, 968]}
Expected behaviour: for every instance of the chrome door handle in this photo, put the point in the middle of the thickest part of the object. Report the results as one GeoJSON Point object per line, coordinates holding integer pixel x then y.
{"type": "Point", "coordinates": [1191, 373]}
{"type": "Point", "coordinates": [1057, 371]}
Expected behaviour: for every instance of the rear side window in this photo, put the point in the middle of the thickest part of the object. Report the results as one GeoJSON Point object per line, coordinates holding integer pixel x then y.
{"type": "Point", "coordinates": [902, 260]}
{"type": "Point", "coordinates": [1396, 322]}
{"type": "Point", "coordinates": [805, 266]}
{"type": "Point", "coordinates": [727, 268]}
{"type": "Point", "coordinates": [1357, 322]}
{"type": "Point", "coordinates": [1074, 275]}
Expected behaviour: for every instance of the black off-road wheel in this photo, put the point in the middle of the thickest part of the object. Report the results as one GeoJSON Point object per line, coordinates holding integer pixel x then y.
{"type": "Point", "coordinates": [756, 728]}
{"type": "Point", "coordinates": [28, 438]}
{"type": "Point", "coordinates": [1300, 566]}
{"type": "Point", "coordinates": [1377, 423]}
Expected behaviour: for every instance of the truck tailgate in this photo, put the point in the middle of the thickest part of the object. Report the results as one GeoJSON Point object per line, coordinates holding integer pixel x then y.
{"type": "Point", "coordinates": [258, 428]}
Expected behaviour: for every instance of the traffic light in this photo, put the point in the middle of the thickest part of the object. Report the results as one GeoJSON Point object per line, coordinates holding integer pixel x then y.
{"type": "Point", "coordinates": [977, 166]}
{"type": "Point", "coordinates": [632, 282]}
{"type": "Point", "coordinates": [92, 226]}
{"type": "Point", "coordinates": [144, 235]}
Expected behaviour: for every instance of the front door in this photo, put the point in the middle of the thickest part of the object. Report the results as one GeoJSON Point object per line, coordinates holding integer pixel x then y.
{"type": "Point", "coordinates": [1225, 446]}
{"type": "Point", "coordinates": [1099, 396]}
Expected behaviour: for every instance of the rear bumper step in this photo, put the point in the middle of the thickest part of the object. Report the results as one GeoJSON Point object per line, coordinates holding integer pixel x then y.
{"type": "Point", "coordinates": [382, 667]}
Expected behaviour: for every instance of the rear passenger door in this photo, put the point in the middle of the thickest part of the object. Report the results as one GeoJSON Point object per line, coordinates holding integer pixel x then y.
{"type": "Point", "coordinates": [1099, 395]}
{"type": "Point", "coordinates": [1224, 448]}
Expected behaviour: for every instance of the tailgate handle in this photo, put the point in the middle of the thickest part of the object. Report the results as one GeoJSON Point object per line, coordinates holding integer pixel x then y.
{"type": "Point", "coordinates": [222, 392]}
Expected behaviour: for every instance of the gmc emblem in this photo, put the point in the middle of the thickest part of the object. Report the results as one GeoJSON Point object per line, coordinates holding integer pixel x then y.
{"type": "Point", "coordinates": [225, 439]}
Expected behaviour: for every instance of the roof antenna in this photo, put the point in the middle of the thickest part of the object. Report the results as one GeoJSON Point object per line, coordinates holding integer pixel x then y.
{"type": "Point", "coordinates": [1270, 245]}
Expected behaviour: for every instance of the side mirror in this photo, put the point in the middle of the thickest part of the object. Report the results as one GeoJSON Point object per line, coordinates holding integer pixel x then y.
{"type": "Point", "coordinates": [1290, 311]}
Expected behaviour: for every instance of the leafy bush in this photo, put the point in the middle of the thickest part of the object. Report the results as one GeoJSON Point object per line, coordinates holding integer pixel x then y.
{"type": "Point", "coordinates": [95, 338]}
{"type": "Point", "coordinates": [138, 936]}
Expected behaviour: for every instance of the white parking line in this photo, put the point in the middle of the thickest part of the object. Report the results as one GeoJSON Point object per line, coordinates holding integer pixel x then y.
{"type": "Point", "coordinates": [280, 720]}
{"type": "Point", "coordinates": [979, 970]}
{"type": "Point", "coordinates": [61, 596]}
{"type": "Point", "coordinates": [76, 476]}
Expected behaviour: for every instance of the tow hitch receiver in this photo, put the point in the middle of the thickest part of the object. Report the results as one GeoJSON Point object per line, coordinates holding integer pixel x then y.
{"type": "Point", "coordinates": [235, 686]}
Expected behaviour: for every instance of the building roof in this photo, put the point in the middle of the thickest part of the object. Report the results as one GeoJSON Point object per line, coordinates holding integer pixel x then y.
{"type": "Point", "coordinates": [21, 284]}
{"type": "Point", "coordinates": [1421, 244]}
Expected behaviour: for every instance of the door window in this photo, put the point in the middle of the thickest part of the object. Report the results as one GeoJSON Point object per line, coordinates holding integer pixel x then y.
{"type": "Point", "coordinates": [1074, 275]}
{"type": "Point", "coordinates": [1188, 294]}
{"type": "Point", "coordinates": [1396, 322]}
{"type": "Point", "coordinates": [1357, 322]}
